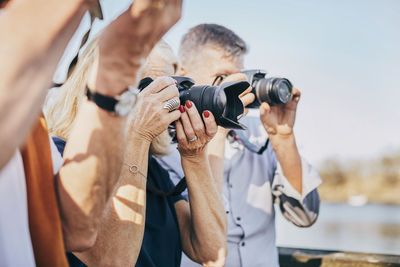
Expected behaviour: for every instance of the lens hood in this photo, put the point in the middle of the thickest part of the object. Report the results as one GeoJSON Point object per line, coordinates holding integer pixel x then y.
{"type": "Point", "coordinates": [234, 106]}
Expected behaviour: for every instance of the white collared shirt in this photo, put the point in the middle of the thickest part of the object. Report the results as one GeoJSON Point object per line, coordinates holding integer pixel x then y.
{"type": "Point", "coordinates": [252, 183]}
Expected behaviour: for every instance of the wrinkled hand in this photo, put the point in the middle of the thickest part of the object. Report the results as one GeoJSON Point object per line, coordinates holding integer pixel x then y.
{"type": "Point", "coordinates": [279, 120]}
{"type": "Point", "coordinates": [149, 118]}
{"type": "Point", "coordinates": [190, 127]}
{"type": "Point", "coordinates": [128, 40]}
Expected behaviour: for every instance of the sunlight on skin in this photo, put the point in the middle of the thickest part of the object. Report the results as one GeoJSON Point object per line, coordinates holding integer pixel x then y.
{"type": "Point", "coordinates": [125, 212]}
{"type": "Point", "coordinates": [220, 260]}
{"type": "Point", "coordinates": [76, 188]}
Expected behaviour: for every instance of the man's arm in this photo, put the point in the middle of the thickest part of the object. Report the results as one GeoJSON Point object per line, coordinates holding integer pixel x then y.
{"type": "Point", "coordinates": [300, 209]}
{"type": "Point", "coordinates": [295, 181]}
{"type": "Point", "coordinates": [278, 121]}
{"type": "Point", "coordinates": [34, 35]}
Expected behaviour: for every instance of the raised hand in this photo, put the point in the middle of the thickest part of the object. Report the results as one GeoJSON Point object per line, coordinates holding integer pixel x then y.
{"type": "Point", "coordinates": [279, 120]}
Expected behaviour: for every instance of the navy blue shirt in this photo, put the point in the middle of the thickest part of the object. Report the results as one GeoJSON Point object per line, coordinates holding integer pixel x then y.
{"type": "Point", "coordinates": [161, 241]}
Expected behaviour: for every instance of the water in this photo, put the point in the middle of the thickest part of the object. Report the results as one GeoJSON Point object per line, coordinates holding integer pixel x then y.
{"type": "Point", "coordinates": [370, 228]}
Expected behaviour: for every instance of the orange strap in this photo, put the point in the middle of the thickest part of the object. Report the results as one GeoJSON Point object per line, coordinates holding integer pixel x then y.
{"type": "Point", "coordinates": [44, 216]}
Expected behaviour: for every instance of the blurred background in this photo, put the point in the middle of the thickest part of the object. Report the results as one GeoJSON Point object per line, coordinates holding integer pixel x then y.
{"type": "Point", "coordinates": [344, 56]}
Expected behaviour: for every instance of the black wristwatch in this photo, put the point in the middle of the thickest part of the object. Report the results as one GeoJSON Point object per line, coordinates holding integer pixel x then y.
{"type": "Point", "coordinates": [120, 105]}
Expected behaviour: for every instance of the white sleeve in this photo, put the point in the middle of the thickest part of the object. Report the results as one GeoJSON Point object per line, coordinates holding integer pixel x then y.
{"type": "Point", "coordinates": [310, 177]}
{"type": "Point", "coordinates": [302, 210]}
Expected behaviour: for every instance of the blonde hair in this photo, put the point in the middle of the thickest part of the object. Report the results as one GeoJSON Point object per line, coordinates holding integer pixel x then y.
{"type": "Point", "coordinates": [62, 106]}
{"type": "Point", "coordinates": [61, 110]}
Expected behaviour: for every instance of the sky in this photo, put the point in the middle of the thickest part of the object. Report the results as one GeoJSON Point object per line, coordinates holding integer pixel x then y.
{"type": "Point", "coordinates": [343, 55]}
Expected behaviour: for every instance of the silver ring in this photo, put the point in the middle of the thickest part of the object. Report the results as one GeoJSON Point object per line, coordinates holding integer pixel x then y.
{"type": "Point", "coordinates": [192, 139]}
{"type": "Point", "coordinates": [172, 104]}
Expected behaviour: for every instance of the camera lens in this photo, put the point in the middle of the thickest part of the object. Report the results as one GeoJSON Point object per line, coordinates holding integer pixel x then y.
{"type": "Point", "coordinates": [223, 100]}
{"type": "Point", "coordinates": [284, 91]}
{"type": "Point", "coordinates": [274, 91]}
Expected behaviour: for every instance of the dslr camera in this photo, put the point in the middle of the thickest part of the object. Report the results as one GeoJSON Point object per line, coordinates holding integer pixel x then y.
{"type": "Point", "coordinates": [223, 100]}
{"type": "Point", "coordinates": [275, 91]}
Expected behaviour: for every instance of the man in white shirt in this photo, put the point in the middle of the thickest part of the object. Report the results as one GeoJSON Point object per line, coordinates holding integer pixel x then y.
{"type": "Point", "coordinates": [250, 182]}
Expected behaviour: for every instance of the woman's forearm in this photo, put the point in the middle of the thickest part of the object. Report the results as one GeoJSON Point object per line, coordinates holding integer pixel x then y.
{"type": "Point", "coordinates": [93, 159]}
{"type": "Point", "coordinates": [34, 36]}
{"type": "Point", "coordinates": [204, 238]}
{"type": "Point", "coordinates": [121, 230]}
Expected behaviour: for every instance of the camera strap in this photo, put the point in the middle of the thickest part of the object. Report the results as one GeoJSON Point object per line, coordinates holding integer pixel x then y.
{"type": "Point", "coordinates": [242, 139]}
{"type": "Point", "coordinates": [179, 188]}
{"type": "Point", "coordinates": [182, 185]}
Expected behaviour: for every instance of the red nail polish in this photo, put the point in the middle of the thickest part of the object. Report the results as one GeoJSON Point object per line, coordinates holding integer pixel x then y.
{"type": "Point", "coordinates": [206, 114]}
{"type": "Point", "coordinates": [181, 109]}
{"type": "Point", "coordinates": [188, 104]}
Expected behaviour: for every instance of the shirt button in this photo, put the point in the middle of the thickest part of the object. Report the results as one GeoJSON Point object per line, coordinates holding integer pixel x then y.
{"type": "Point", "coordinates": [243, 244]}
{"type": "Point", "coordinates": [238, 218]}
{"type": "Point", "coordinates": [230, 185]}
{"type": "Point", "coordinates": [227, 211]}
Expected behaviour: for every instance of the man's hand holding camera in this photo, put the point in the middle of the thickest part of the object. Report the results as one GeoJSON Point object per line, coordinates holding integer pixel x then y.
{"type": "Point", "coordinates": [279, 120]}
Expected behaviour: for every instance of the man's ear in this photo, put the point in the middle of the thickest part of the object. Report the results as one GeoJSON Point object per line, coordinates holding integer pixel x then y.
{"type": "Point", "coordinates": [181, 71]}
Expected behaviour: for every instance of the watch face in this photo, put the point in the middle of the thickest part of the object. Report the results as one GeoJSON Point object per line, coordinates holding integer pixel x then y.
{"type": "Point", "coordinates": [126, 102]}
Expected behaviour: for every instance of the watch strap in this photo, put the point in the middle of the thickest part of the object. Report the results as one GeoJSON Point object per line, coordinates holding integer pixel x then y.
{"type": "Point", "coordinates": [104, 102]}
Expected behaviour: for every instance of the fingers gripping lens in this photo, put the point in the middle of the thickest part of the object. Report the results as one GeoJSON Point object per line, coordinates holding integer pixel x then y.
{"type": "Point", "coordinates": [222, 101]}
{"type": "Point", "coordinates": [273, 90]}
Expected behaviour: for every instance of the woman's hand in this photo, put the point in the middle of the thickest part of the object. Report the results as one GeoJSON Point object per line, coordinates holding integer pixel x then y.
{"type": "Point", "coordinates": [192, 134]}
{"type": "Point", "coordinates": [149, 118]}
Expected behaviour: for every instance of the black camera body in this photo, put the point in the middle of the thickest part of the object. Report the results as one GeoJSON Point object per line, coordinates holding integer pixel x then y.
{"type": "Point", "coordinates": [275, 91]}
{"type": "Point", "coordinates": [222, 101]}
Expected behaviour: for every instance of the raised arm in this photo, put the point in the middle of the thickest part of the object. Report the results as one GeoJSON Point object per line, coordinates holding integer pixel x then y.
{"type": "Point", "coordinates": [121, 230]}
{"type": "Point", "coordinates": [202, 221]}
{"type": "Point", "coordinates": [34, 34]}
{"type": "Point", "coordinates": [295, 181]}
{"type": "Point", "coordinates": [278, 121]}
{"type": "Point", "coordinates": [94, 152]}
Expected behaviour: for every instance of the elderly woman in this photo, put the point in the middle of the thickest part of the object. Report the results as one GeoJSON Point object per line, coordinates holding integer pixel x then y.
{"type": "Point", "coordinates": [167, 224]}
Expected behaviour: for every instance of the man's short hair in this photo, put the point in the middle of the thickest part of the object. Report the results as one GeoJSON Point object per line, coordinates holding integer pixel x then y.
{"type": "Point", "coordinates": [212, 34]}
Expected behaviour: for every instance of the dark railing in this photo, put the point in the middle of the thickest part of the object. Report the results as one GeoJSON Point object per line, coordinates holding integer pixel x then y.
{"type": "Point", "coordinates": [293, 257]}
